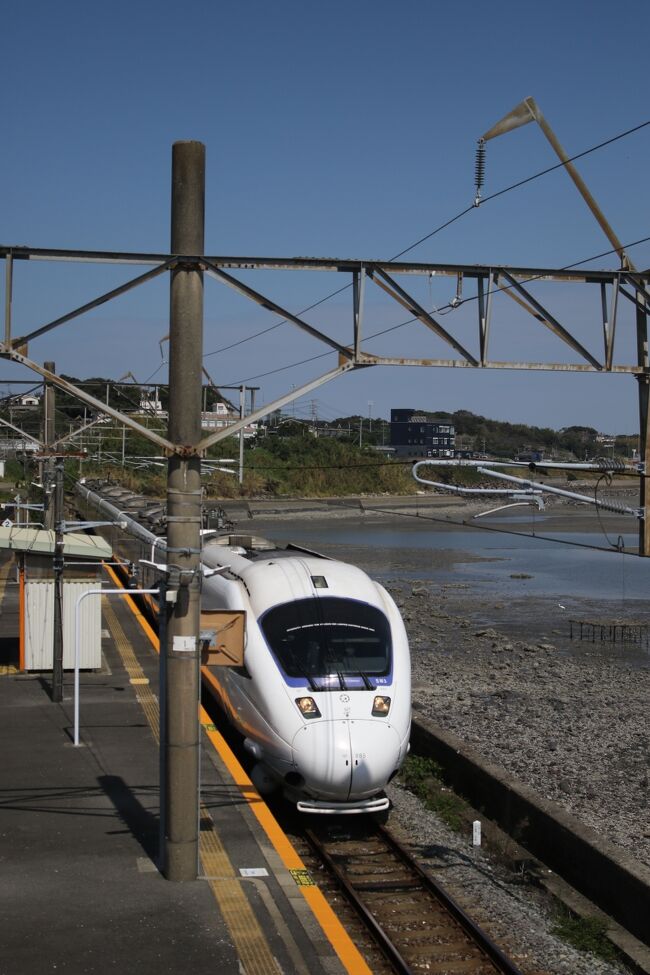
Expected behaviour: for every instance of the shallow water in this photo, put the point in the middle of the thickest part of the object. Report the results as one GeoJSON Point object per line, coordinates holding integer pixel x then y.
{"type": "Point", "coordinates": [556, 567]}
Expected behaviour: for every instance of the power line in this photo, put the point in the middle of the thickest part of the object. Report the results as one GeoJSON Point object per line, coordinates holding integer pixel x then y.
{"type": "Point", "coordinates": [277, 324]}
{"type": "Point", "coordinates": [410, 321]}
{"type": "Point", "coordinates": [437, 230]}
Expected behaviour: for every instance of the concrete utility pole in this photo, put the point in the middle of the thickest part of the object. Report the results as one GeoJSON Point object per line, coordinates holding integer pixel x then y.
{"type": "Point", "coordinates": [181, 728]}
{"type": "Point", "coordinates": [49, 436]}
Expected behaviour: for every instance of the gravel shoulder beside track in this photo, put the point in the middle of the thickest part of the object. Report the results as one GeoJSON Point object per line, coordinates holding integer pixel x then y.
{"type": "Point", "coordinates": [517, 917]}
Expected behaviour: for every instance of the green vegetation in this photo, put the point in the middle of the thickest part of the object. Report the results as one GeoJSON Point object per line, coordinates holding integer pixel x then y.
{"type": "Point", "coordinates": [423, 777]}
{"type": "Point", "coordinates": [506, 439]}
{"type": "Point", "coordinates": [586, 934]}
{"type": "Point", "coordinates": [289, 457]}
{"type": "Point", "coordinates": [311, 466]}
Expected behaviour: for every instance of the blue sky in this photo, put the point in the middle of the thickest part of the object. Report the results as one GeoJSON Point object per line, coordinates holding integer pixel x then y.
{"type": "Point", "coordinates": [337, 129]}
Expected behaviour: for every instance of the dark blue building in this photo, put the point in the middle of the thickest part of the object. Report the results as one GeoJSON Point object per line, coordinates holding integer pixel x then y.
{"type": "Point", "coordinates": [415, 434]}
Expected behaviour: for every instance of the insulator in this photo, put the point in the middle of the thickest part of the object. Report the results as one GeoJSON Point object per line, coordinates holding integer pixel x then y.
{"type": "Point", "coordinates": [479, 169]}
{"type": "Point", "coordinates": [608, 464]}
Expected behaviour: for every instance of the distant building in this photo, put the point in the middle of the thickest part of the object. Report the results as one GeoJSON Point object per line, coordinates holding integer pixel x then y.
{"type": "Point", "coordinates": [414, 434]}
{"type": "Point", "coordinates": [152, 406]}
{"type": "Point", "coordinates": [29, 400]}
{"type": "Point", "coordinates": [222, 416]}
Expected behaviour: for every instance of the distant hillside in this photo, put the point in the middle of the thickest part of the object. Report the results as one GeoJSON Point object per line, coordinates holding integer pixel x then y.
{"type": "Point", "coordinates": [506, 439]}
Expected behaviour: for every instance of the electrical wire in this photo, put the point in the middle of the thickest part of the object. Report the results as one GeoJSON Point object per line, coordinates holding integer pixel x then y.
{"type": "Point", "coordinates": [411, 321]}
{"type": "Point", "coordinates": [437, 230]}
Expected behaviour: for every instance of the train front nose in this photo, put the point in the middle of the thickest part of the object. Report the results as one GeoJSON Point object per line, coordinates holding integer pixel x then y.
{"type": "Point", "coordinates": [346, 759]}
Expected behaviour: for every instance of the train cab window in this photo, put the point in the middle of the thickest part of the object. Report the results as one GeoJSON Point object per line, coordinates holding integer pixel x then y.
{"type": "Point", "coordinates": [328, 635]}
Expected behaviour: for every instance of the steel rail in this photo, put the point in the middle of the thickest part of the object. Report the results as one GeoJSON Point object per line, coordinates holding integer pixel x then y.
{"type": "Point", "coordinates": [490, 951]}
{"type": "Point", "coordinates": [484, 942]}
{"type": "Point", "coordinates": [380, 936]}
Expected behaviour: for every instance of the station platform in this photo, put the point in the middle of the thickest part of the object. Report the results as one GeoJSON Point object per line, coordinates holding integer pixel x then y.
{"type": "Point", "coordinates": [81, 890]}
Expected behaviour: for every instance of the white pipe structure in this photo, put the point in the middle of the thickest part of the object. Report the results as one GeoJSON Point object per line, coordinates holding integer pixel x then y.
{"type": "Point", "coordinates": [602, 467]}
{"type": "Point", "coordinates": [620, 509]}
{"type": "Point", "coordinates": [461, 462]}
{"type": "Point", "coordinates": [524, 496]}
{"type": "Point", "coordinates": [77, 648]}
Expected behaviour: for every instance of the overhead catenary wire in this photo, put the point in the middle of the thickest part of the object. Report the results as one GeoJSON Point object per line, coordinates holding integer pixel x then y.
{"type": "Point", "coordinates": [441, 227]}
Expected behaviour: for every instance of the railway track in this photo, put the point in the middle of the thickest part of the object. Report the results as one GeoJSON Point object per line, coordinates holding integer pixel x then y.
{"type": "Point", "coordinates": [417, 926]}
{"type": "Point", "coordinates": [408, 922]}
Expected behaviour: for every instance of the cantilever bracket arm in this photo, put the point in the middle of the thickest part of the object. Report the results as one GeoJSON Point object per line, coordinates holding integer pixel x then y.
{"type": "Point", "coordinates": [115, 293]}
{"type": "Point", "coordinates": [551, 322]}
{"type": "Point", "coordinates": [77, 432]}
{"type": "Point", "coordinates": [277, 404]}
{"type": "Point", "coordinates": [96, 404]}
{"type": "Point", "coordinates": [406, 301]}
{"type": "Point", "coordinates": [529, 111]}
{"type": "Point", "coordinates": [260, 299]}
{"type": "Point", "coordinates": [22, 433]}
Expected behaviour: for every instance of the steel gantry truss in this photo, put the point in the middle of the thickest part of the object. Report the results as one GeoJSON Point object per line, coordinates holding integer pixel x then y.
{"type": "Point", "coordinates": [513, 282]}
{"type": "Point", "coordinates": [517, 283]}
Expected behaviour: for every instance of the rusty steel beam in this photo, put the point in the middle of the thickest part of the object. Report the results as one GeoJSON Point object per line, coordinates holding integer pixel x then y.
{"type": "Point", "coordinates": [341, 265]}
{"type": "Point", "coordinates": [402, 297]}
{"type": "Point", "coordinates": [528, 111]}
{"type": "Point", "coordinates": [95, 303]}
{"type": "Point", "coordinates": [9, 280]}
{"type": "Point", "coordinates": [96, 404]}
{"type": "Point", "coordinates": [485, 313]}
{"type": "Point", "coordinates": [358, 289]}
{"type": "Point", "coordinates": [270, 305]}
{"type": "Point", "coordinates": [22, 433]}
{"type": "Point", "coordinates": [552, 323]}
{"type": "Point", "coordinates": [277, 404]}
{"type": "Point", "coordinates": [609, 322]}
{"type": "Point", "coordinates": [378, 360]}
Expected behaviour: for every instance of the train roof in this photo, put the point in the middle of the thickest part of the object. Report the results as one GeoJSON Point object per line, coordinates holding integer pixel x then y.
{"type": "Point", "coordinates": [275, 574]}
{"type": "Point", "coordinates": [255, 547]}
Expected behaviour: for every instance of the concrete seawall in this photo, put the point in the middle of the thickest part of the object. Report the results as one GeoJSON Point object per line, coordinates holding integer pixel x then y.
{"type": "Point", "coordinates": [598, 869]}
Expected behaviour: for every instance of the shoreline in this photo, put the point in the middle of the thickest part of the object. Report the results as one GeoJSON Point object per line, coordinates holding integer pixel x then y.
{"type": "Point", "coordinates": [448, 513]}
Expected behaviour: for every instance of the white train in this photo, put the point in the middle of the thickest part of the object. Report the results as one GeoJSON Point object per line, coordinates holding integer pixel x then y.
{"type": "Point", "coordinates": [323, 698]}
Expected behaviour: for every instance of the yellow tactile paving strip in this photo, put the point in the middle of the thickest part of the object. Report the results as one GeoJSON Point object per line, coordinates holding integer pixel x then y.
{"type": "Point", "coordinates": [6, 669]}
{"type": "Point", "coordinates": [247, 936]}
{"type": "Point", "coordinates": [336, 934]}
{"type": "Point", "coordinates": [144, 694]}
{"type": "Point", "coordinates": [215, 861]}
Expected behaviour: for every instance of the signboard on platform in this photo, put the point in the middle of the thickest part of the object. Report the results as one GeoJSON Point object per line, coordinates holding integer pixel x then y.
{"type": "Point", "coordinates": [222, 637]}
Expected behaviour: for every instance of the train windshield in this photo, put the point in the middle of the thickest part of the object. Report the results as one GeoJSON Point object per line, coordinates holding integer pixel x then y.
{"type": "Point", "coordinates": [329, 636]}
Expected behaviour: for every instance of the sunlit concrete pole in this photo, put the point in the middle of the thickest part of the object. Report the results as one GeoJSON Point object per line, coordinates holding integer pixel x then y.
{"type": "Point", "coordinates": [181, 759]}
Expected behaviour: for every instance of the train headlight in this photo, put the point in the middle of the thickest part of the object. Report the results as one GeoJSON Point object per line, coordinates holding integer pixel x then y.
{"type": "Point", "coordinates": [380, 706]}
{"type": "Point", "coordinates": [308, 707]}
